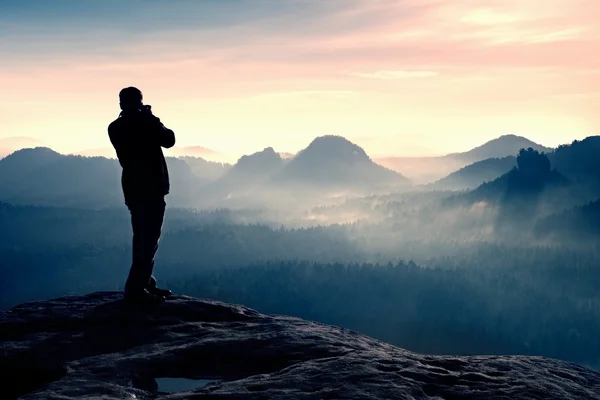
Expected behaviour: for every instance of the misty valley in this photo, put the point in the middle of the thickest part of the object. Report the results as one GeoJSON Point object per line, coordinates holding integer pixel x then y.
{"type": "Point", "coordinates": [494, 252]}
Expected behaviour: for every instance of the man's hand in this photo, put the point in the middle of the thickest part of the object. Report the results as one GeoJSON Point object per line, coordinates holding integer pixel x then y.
{"type": "Point", "coordinates": [147, 112]}
{"type": "Point", "coordinates": [165, 136]}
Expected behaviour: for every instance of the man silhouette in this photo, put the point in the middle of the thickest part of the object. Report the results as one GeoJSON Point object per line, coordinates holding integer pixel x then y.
{"type": "Point", "coordinates": [137, 136]}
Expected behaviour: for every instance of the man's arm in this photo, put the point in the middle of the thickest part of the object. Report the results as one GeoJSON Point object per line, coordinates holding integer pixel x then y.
{"type": "Point", "coordinates": [165, 136]}
{"type": "Point", "coordinates": [114, 136]}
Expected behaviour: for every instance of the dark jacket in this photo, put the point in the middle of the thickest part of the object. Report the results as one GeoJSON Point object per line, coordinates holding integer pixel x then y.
{"type": "Point", "coordinates": [137, 138]}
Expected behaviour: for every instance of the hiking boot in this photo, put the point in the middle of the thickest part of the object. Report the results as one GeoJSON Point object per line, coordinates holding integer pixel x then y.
{"type": "Point", "coordinates": [153, 289]}
{"type": "Point", "coordinates": [143, 298]}
{"type": "Point", "coordinates": [159, 292]}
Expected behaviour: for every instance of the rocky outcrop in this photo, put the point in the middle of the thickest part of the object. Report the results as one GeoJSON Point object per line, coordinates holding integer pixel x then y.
{"type": "Point", "coordinates": [95, 346]}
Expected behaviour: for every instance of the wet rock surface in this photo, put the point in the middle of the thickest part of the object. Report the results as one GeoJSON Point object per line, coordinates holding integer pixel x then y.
{"type": "Point", "coordinates": [96, 346]}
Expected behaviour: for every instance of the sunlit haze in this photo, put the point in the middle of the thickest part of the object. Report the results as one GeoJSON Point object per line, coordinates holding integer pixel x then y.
{"type": "Point", "coordinates": [397, 77]}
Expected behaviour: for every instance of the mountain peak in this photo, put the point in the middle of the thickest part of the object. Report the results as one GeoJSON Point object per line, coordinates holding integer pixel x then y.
{"type": "Point", "coordinates": [258, 165]}
{"type": "Point", "coordinates": [336, 144]}
{"type": "Point", "coordinates": [331, 139]}
{"type": "Point", "coordinates": [67, 348]}
{"type": "Point", "coordinates": [40, 150]}
{"type": "Point", "coordinates": [336, 162]}
{"type": "Point", "coordinates": [29, 158]}
{"type": "Point", "coordinates": [475, 174]}
{"type": "Point", "coordinates": [268, 155]}
{"type": "Point", "coordinates": [333, 146]}
{"type": "Point", "coordinates": [505, 145]}
{"type": "Point", "coordinates": [9, 145]}
{"type": "Point", "coordinates": [510, 138]}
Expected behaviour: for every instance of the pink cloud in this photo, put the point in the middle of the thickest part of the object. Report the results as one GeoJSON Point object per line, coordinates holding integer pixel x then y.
{"type": "Point", "coordinates": [456, 59]}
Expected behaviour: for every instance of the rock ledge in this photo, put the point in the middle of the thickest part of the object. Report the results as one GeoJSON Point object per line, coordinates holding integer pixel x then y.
{"type": "Point", "coordinates": [95, 346]}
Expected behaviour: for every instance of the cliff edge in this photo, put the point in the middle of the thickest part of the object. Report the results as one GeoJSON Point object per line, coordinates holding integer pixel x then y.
{"type": "Point", "coordinates": [96, 346]}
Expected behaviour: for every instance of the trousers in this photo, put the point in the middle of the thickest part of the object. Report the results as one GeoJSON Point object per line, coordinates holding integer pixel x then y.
{"type": "Point", "coordinates": [146, 221]}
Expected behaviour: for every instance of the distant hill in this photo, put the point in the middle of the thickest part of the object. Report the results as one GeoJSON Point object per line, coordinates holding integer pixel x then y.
{"type": "Point", "coordinates": [189, 151]}
{"type": "Point", "coordinates": [186, 186]}
{"type": "Point", "coordinates": [335, 162]}
{"type": "Point", "coordinates": [580, 161]}
{"type": "Point", "coordinates": [506, 145]}
{"type": "Point", "coordinates": [330, 164]}
{"type": "Point", "coordinates": [475, 174]}
{"type": "Point", "coordinates": [11, 144]}
{"type": "Point", "coordinates": [258, 164]}
{"type": "Point", "coordinates": [206, 170]}
{"type": "Point", "coordinates": [425, 170]}
{"type": "Point", "coordinates": [534, 198]}
{"type": "Point", "coordinates": [246, 177]}
{"type": "Point", "coordinates": [566, 178]}
{"type": "Point", "coordinates": [531, 178]}
{"type": "Point", "coordinates": [194, 151]}
{"type": "Point", "coordinates": [252, 169]}
{"type": "Point", "coordinates": [201, 167]}
{"type": "Point", "coordinates": [41, 176]}
{"type": "Point", "coordinates": [17, 166]}
{"type": "Point", "coordinates": [580, 223]}
{"type": "Point", "coordinates": [106, 152]}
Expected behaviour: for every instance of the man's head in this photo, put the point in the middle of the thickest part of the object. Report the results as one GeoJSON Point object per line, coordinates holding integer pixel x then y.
{"type": "Point", "coordinates": [130, 99]}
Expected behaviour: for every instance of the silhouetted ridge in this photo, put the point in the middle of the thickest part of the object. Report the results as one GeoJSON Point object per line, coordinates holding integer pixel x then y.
{"type": "Point", "coordinates": [429, 170]}
{"type": "Point", "coordinates": [265, 161]}
{"type": "Point", "coordinates": [245, 176]}
{"type": "Point", "coordinates": [24, 160]}
{"type": "Point", "coordinates": [337, 162]}
{"type": "Point", "coordinates": [205, 169]}
{"type": "Point", "coordinates": [477, 173]}
{"type": "Point", "coordinates": [250, 169]}
{"type": "Point", "coordinates": [502, 146]}
{"type": "Point", "coordinates": [9, 145]}
{"type": "Point", "coordinates": [335, 148]}
{"type": "Point", "coordinates": [41, 176]}
{"type": "Point", "coordinates": [579, 160]}
{"type": "Point", "coordinates": [532, 176]}
{"type": "Point", "coordinates": [580, 224]}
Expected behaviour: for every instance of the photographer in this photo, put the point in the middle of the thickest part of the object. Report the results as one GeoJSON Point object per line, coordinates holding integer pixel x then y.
{"type": "Point", "coordinates": [137, 136]}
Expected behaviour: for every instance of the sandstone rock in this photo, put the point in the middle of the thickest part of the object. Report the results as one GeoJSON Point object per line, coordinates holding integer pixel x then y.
{"type": "Point", "coordinates": [95, 346]}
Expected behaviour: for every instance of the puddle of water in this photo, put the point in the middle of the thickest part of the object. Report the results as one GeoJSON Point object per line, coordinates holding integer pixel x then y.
{"type": "Point", "coordinates": [176, 385]}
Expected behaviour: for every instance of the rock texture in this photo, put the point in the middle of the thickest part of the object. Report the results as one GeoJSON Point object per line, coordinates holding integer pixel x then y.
{"type": "Point", "coordinates": [95, 347]}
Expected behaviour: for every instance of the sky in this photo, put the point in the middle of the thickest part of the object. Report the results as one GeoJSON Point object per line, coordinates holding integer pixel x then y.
{"type": "Point", "coordinates": [397, 77]}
